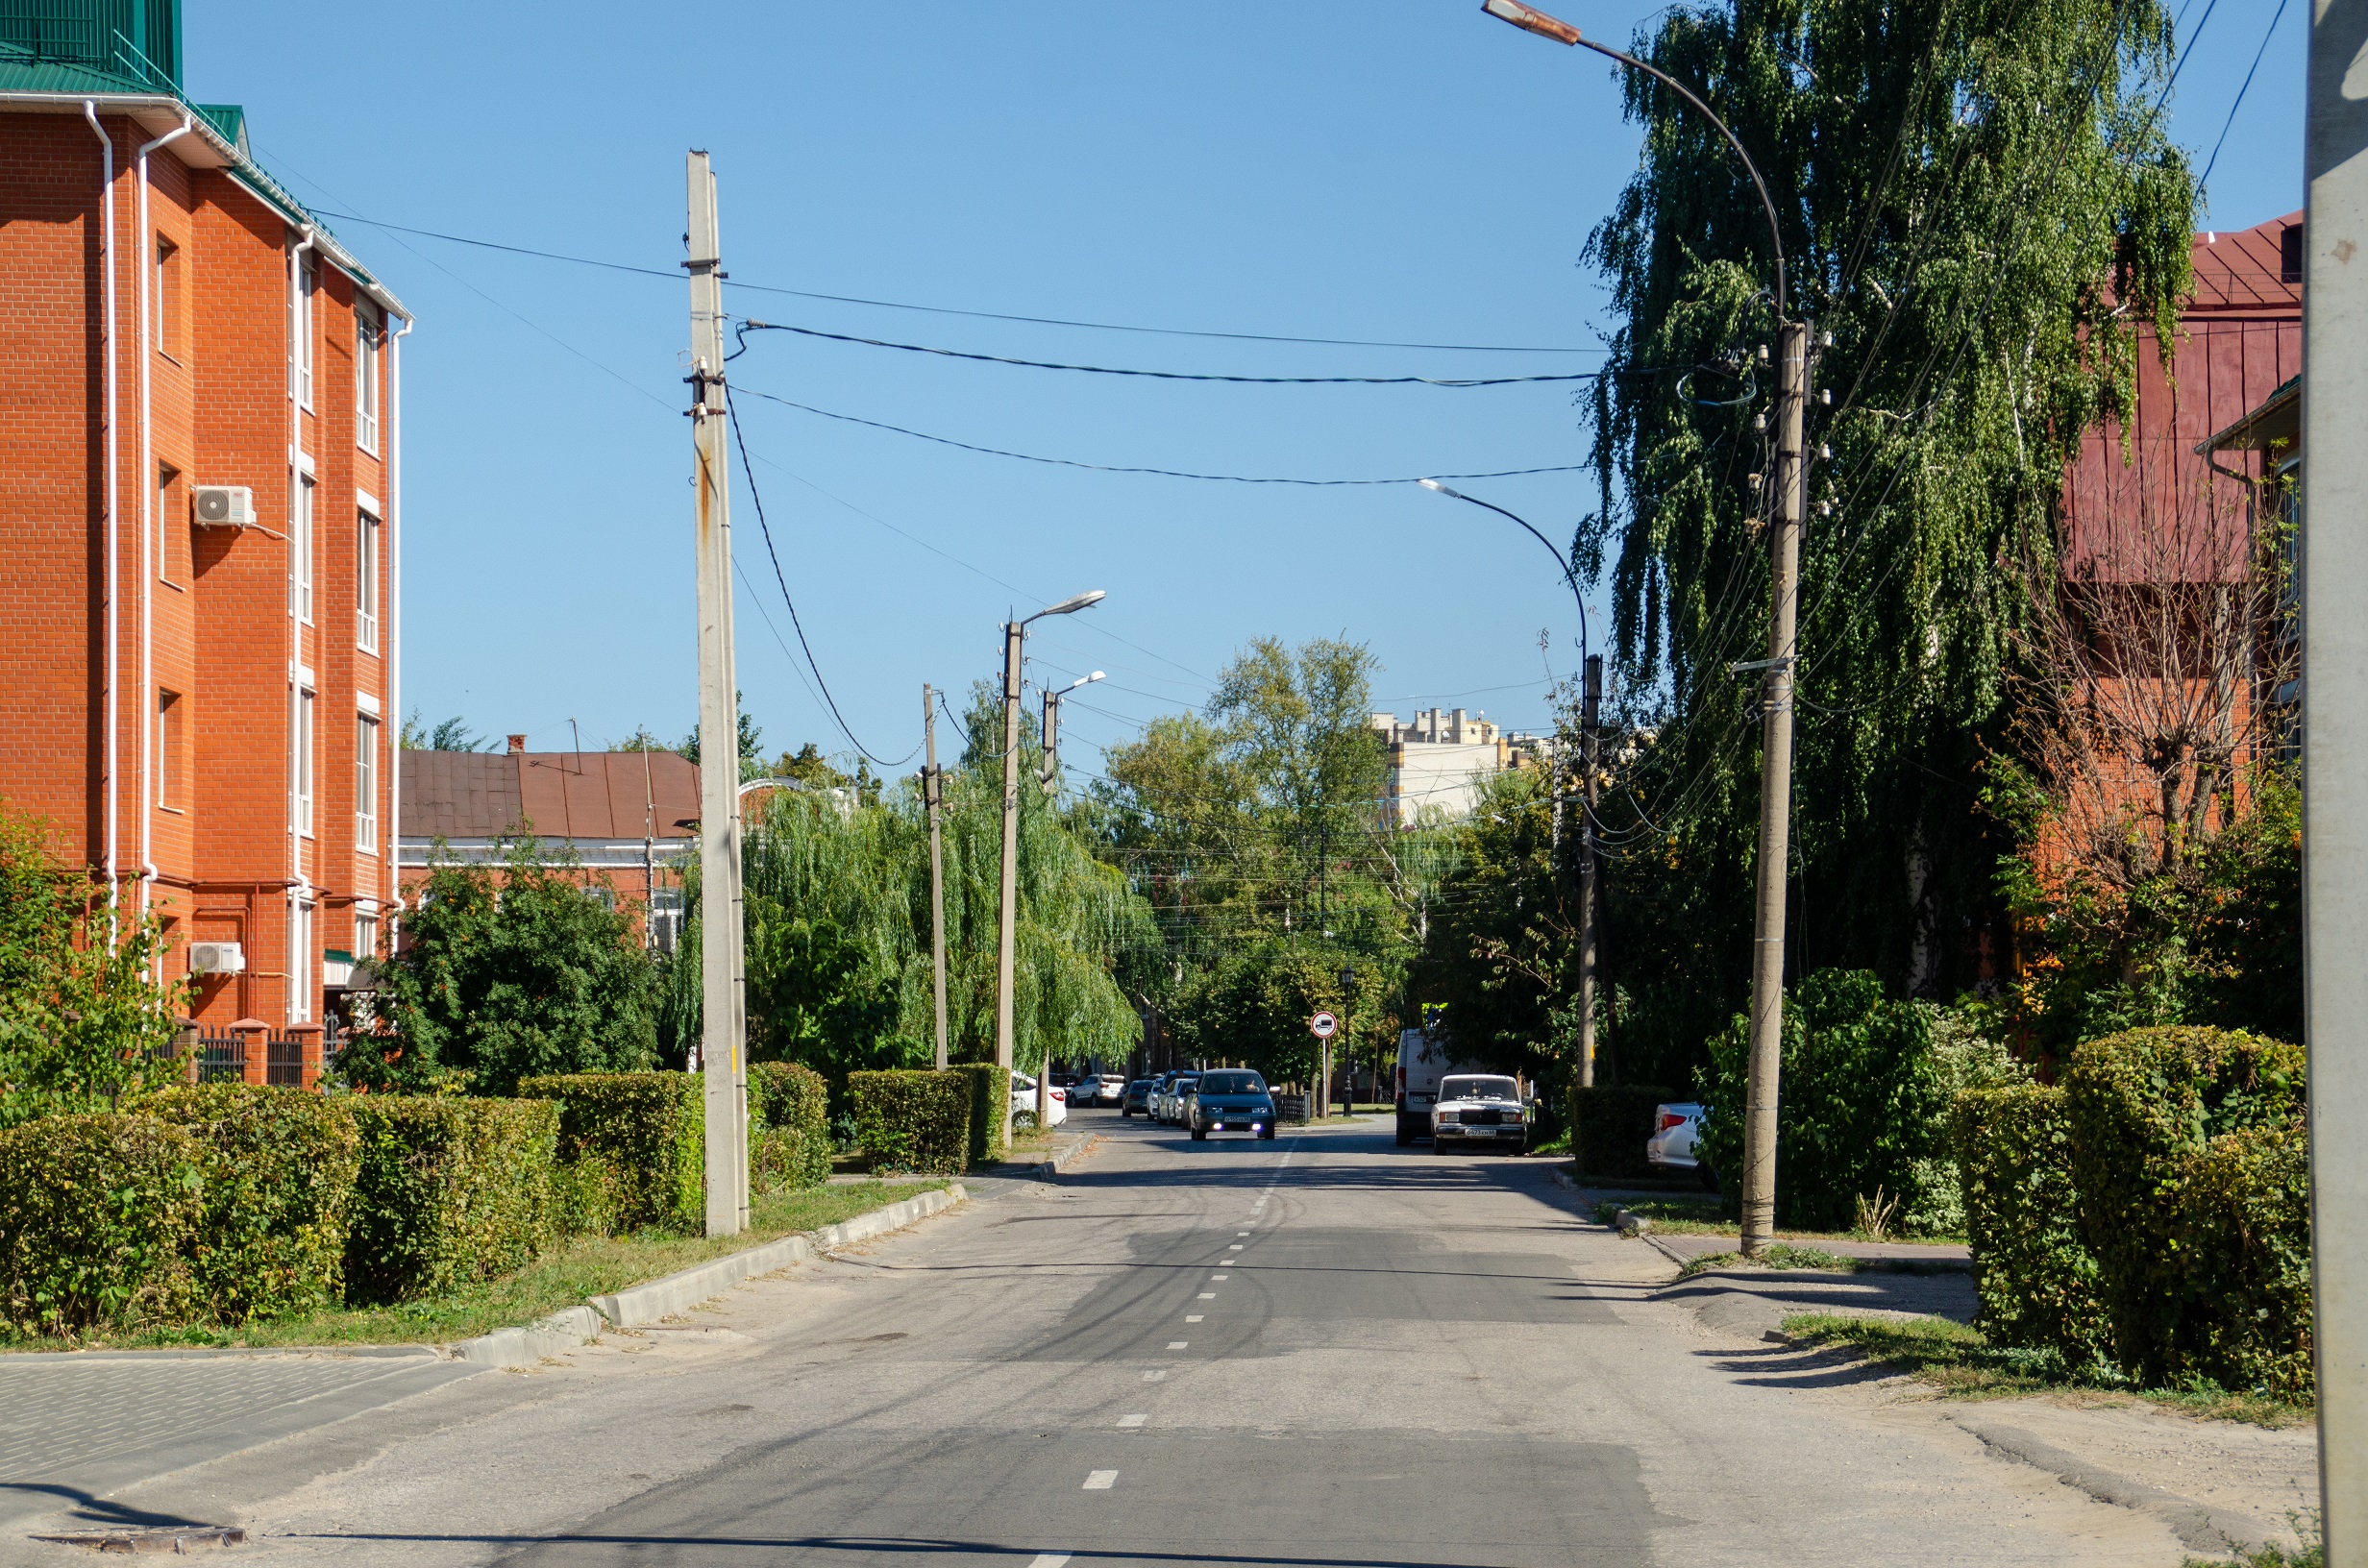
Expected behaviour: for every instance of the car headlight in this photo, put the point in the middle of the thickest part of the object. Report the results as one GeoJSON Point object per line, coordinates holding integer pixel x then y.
{"type": "Point", "coordinates": [1446, 1115]}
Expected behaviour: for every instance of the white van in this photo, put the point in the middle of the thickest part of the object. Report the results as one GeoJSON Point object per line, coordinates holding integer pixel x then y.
{"type": "Point", "coordinates": [1423, 1060]}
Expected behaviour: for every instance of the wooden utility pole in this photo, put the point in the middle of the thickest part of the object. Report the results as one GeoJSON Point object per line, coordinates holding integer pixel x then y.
{"type": "Point", "coordinates": [1007, 917]}
{"type": "Point", "coordinates": [1767, 953]}
{"type": "Point", "coordinates": [1590, 714]}
{"type": "Point", "coordinates": [933, 796]}
{"type": "Point", "coordinates": [723, 1026]}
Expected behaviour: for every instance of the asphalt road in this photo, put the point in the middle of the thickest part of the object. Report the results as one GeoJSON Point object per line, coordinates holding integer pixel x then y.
{"type": "Point", "coordinates": [1319, 1351]}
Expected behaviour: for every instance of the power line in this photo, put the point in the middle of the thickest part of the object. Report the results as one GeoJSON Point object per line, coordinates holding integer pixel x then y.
{"type": "Point", "coordinates": [750, 325]}
{"type": "Point", "coordinates": [2275, 18]}
{"type": "Point", "coordinates": [948, 310]}
{"type": "Point", "coordinates": [1163, 473]}
{"type": "Point", "coordinates": [766, 528]}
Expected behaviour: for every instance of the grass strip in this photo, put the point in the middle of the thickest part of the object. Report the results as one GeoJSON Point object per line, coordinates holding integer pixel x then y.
{"type": "Point", "coordinates": [1780, 1255]}
{"type": "Point", "coordinates": [1690, 1215]}
{"type": "Point", "coordinates": [1959, 1361]}
{"type": "Point", "coordinates": [590, 1266]}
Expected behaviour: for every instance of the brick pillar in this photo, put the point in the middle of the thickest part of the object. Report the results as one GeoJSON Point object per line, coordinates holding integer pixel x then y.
{"type": "Point", "coordinates": [257, 1038]}
{"type": "Point", "coordinates": [310, 1034]}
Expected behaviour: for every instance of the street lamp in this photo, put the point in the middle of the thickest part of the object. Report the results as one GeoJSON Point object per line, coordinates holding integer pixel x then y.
{"type": "Point", "coordinates": [1560, 559]}
{"type": "Point", "coordinates": [1348, 1008]}
{"type": "Point", "coordinates": [1051, 771]}
{"type": "Point", "coordinates": [1767, 953]}
{"type": "Point", "coordinates": [1014, 633]}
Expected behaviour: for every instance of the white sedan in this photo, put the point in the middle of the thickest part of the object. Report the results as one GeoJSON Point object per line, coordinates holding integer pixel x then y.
{"type": "Point", "coordinates": [1023, 1100]}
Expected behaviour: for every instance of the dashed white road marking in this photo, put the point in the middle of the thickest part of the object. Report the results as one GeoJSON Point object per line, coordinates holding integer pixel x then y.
{"type": "Point", "coordinates": [1100, 1480]}
{"type": "Point", "coordinates": [1208, 1295]}
{"type": "Point", "coordinates": [1216, 1278]}
{"type": "Point", "coordinates": [1175, 1344]}
{"type": "Point", "coordinates": [1049, 1560]}
{"type": "Point", "coordinates": [1233, 1246]}
{"type": "Point", "coordinates": [1133, 1420]}
{"type": "Point", "coordinates": [1159, 1377]}
{"type": "Point", "coordinates": [1241, 1233]}
{"type": "Point", "coordinates": [1193, 1317]}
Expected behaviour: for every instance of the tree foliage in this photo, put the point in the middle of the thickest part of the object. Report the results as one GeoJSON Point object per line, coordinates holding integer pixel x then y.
{"type": "Point", "coordinates": [82, 1022]}
{"type": "Point", "coordinates": [1978, 204]}
{"type": "Point", "coordinates": [509, 966]}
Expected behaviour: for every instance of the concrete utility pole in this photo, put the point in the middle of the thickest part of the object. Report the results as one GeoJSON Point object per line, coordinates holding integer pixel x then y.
{"type": "Point", "coordinates": [1767, 953]}
{"type": "Point", "coordinates": [1590, 714]}
{"type": "Point", "coordinates": [723, 1029]}
{"type": "Point", "coordinates": [933, 794]}
{"type": "Point", "coordinates": [2334, 583]}
{"type": "Point", "coordinates": [1007, 907]}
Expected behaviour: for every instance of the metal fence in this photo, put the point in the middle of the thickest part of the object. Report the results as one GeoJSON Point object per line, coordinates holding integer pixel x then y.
{"type": "Point", "coordinates": [222, 1056]}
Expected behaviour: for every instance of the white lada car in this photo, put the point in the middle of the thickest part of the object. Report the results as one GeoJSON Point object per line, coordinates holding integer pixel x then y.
{"type": "Point", "coordinates": [1480, 1110]}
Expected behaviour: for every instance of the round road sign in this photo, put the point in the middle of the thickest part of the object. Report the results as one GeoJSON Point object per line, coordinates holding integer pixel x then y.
{"type": "Point", "coordinates": [1324, 1025]}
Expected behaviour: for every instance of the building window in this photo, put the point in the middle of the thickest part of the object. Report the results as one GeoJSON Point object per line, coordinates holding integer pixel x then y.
{"type": "Point", "coordinates": [168, 492]}
{"type": "Point", "coordinates": [366, 582]}
{"type": "Point", "coordinates": [300, 552]}
{"type": "Point", "coordinates": [164, 331]}
{"type": "Point", "coordinates": [299, 961]}
{"type": "Point", "coordinates": [365, 378]}
{"type": "Point", "coordinates": [300, 334]}
{"type": "Point", "coordinates": [366, 784]}
{"type": "Point", "coordinates": [168, 749]}
{"type": "Point", "coordinates": [302, 771]}
{"type": "Point", "coordinates": [365, 938]}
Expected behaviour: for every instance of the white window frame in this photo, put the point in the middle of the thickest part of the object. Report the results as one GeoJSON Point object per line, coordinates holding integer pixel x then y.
{"type": "Point", "coordinates": [300, 550]}
{"type": "Point", "coordinates": [366, 782]}
{"type": "Point", "coordinates": [300, 959]}
{"type": "Point", "coordinates": [366, 379]}
{"type": "Point", "coordinates": [166, 473]}
{"type": "Point", "coordinates": [366, 580]}
{"type": "Point", "coordinates": [301, 776]}
{"type": "Point", "coordinates": [308, 287]}
{"type": "Point", "coordinates": [166, 758]}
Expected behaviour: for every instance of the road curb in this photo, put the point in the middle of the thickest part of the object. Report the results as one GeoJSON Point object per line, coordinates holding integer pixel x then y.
{"type": "Point", "coordinates": [678, 1292]}
{"type": "Point", "coordinates": [2199, 1526]}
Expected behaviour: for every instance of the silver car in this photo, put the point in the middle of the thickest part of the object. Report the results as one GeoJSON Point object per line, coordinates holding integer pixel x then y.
{"type": "Point", "coordinates": [1480, 1110]}
{"type": "Point", "coordinates": [1671, 1147]}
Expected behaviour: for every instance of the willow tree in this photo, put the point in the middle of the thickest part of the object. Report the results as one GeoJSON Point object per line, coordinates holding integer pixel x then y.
{"type": "Point", "coordinates": [1978, 204]}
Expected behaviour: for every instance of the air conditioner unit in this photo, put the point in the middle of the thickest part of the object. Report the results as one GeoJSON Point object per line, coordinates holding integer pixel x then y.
{"type": "Point", "coordinates": [222, 506]}
{"type": "Point", "coordinates": [216, 958]}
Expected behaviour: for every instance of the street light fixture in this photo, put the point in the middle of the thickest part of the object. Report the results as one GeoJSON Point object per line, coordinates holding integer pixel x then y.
{"type": "Point", "coordinates": [1051, 770]}
{"type": "Point", "coordinates": [1560, 559]}
{"type": "Point", "coordinates": [1767, 958]}
{"type": "Point", "coordinates": [1014, 633]}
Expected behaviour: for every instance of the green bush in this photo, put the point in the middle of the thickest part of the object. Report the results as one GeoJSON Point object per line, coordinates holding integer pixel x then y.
{"type": "Point", "coordinates": [279, 1172]}
{"type": "Point", "coordinates": [912, 1120]}
{"type": "Point", "coordinates": [635, 1145]}
{"type": "Point", "coordinates": [97, 1216]}
{"type": "Point", "coordinates": [2187, 1152]}
{"type": "Point", "coordinates": [1610, 1124]}
{"type": "Point", "coordinates": [789, 1127]}
{"type": "Point", "coordinates": [990, 1091]}
{"type": "Point", "coordinates": [2034, 1278]}
{"type": "Point", "coordinates": [450, 1191]}
{"type": "Point", "coordinates": [1861, 1105]}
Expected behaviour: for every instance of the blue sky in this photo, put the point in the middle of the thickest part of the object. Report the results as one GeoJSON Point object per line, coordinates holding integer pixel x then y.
{"type": "Point", "coordinates": [1409, 172]}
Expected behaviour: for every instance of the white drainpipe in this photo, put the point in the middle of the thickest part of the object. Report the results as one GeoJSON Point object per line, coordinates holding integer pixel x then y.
{"type": "Point", "coordinates": [300, 330]}
{"type": "Point", "coordinates": [394, 614]}
{"type": "Point", "coordinates": [150, 569]}
{"type": "Point", "coordinates": [106, 274]}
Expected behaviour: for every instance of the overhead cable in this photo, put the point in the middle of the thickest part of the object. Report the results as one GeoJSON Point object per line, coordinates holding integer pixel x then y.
{"type": "Point", "coordinates": [1163, 473]}
{"type": "Point", "coordinates": [750, 325]}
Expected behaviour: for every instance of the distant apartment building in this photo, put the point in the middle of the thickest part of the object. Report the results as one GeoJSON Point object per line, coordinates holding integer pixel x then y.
{"type": "Point", "coordinates": [199, 519]}
{"type": "Point", "coordinates": [1438, 762]}
{"type": "Point", "coordinates": [625, 821]}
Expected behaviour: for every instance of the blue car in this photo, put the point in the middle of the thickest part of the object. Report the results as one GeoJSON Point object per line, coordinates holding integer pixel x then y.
{"type": "Point", "coordinates": [1228, 1100]}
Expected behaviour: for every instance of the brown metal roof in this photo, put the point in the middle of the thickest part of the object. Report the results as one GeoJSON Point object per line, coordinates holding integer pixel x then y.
{"type": "Point", "coordinates": [561, 795]}
{"type": "Point", "coordinates": [2248, 269]}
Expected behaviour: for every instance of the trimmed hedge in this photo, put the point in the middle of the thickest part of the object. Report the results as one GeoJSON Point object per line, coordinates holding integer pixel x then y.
{"type": "Point", "coordinates": [279, 1175]}
{"type": "Point", "coordinates": [1610, 1125]}
{"type": "Point", "coordinates": [97, 1216]}
{"type": "Point", "coordinates": [789, 1127]}
{"type": "Point", "coordinates": [913, 1120]}
{"type": "Point", "coordinates": [632, 1147]}
{"type": "Point", "coordinates": [990, 1091]}
{"type": "Point", "coordinates": [2187, 1149]}
{"type": "Point", "coordinates": [2034, 1278]}
{"type": "Point", "coordinates": [449, 1192]}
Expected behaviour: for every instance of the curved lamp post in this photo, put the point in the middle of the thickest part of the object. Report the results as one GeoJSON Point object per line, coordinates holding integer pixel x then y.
{"type": "Point", "coordinates": [1767, 956]}
{"type": "Point", "coordinates": [1560, 559]}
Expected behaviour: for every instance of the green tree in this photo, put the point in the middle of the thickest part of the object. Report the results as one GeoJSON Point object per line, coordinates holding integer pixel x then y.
{"type": "Point", "coordinates": [752, 742]}
{"type": "Point", "coordinates": [82, 1021]}
{"type": "Point", "coordinates": [1979, 203]}
{"type": "Point", "coordinates": [509, 966]}
{"type": "Point", "coordinates": [452, 734]}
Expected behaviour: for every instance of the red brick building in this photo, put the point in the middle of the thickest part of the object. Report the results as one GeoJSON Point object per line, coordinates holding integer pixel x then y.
{"type": "Point", "coordinates": [200, 516]}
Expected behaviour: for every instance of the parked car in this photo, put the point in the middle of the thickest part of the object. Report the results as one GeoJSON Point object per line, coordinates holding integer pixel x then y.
{"type": "Point", "coordinates": [1138, 1097]}
{"type": "Point", "coordinates": [1113, 1087]}
{"type": "Point", "coordinates": [1480, 1109]}
{"type": "Point", "coordinates": [1228, 1099]}
{"type": "Point", "coordinates": [1023, 1100]}
{"type": "Point", "coordinates": [1171, 1103]}
{"type": "Point", "coordinates": [1082, 1090]}
{"type": "Point", "coordinates": [1670, 1148]}
{"type": "Point", "coordinates": [1423, 1060]}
